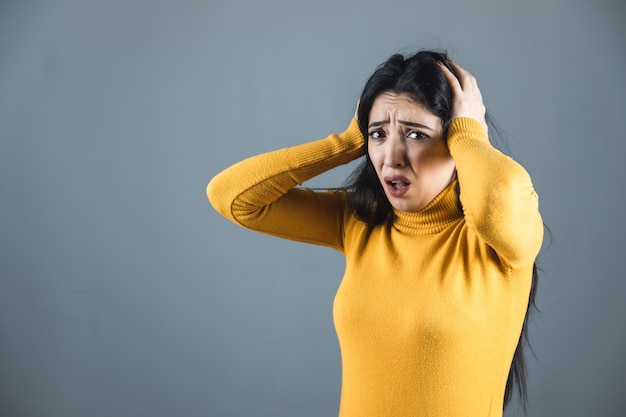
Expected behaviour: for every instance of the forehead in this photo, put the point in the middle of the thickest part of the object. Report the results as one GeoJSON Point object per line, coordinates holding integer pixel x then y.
{"type": "Point", "coordinates": [390, 105]}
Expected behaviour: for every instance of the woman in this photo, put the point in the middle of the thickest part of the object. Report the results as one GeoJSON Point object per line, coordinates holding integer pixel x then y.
{"type": "Point", "coordinates": [440, 232]}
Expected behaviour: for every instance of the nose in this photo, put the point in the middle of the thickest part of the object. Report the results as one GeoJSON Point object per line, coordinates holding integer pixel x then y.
{"type": "Point", "coordinates": [395, 152]}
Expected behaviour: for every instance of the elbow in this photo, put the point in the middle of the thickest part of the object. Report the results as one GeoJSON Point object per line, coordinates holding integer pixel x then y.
{"type": "Point", "coordinates": [512, 223]}
{"type": "Point", "coordinates": [217, 197]}
{"type": "Point", "coordinates": [210, 193]}
{"type": "Point", "coordinates": [225, 198]}
{"type": "Point", "coordinates": [530, 234]}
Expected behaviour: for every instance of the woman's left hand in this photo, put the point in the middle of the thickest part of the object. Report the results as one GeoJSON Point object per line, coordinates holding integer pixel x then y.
{"type": "Point", "coordinates": [467, 100]}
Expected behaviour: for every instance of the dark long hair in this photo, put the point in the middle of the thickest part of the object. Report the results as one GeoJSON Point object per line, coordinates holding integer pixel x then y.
{"type": "Point", "coordinates": [420, 77]}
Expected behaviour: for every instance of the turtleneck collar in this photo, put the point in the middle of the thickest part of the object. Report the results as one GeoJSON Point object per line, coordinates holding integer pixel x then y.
{"type": "Point", "coordinates": [439, 213]}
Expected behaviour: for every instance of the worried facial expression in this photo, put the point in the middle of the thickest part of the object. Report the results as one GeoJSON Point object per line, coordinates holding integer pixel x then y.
{"type": "Point", "coordinates": [408, 151]}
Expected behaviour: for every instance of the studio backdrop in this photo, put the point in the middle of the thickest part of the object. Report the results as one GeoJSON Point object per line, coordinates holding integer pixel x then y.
{"type": "Point", "coordinates": [123, 293]}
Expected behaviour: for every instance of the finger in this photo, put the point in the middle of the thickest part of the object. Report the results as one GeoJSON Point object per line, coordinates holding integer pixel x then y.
{"type": "Point", "coordinates": [453, 81]}
{"type": "Point", "coordinates": [466, 79]}
{"type": "Point", "coordinates": [461, 74]}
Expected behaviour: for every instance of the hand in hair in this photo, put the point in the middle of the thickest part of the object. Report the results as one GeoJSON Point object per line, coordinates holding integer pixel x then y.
{"type": "Point", "coordinates": [467, 100]}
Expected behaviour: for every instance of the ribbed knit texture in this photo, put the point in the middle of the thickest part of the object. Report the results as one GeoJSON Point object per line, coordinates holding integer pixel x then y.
{"type": "Point", "coordinates": [430, 308]}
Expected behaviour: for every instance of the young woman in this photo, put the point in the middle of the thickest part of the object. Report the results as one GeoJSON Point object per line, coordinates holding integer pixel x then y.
{"type": "Point", "coordinates": [440, 232]}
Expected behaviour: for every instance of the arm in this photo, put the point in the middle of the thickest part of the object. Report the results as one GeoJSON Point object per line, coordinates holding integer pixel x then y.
{"type": "Point", "coordinates": [497, 194]}
{"type": "Point", "coordinates": [259, 193]}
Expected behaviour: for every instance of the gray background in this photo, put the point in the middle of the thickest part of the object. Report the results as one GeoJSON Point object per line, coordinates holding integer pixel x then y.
{"type": "Point", "coordinates": [123, 293]}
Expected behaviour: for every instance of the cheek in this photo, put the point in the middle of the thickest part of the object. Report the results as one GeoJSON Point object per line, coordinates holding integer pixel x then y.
{"type": "Point", "coordinates": [421, 158]}
{"type": "Point", "coordinates": [376, 165]}
{"type": "Point", "coordinates": [374, 155]}
{"type": "Point", "coordinates": [432, 157]}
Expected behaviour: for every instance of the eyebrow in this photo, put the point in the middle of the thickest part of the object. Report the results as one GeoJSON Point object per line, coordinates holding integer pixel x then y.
{"type": "Point", "coordinates": [402, 122]}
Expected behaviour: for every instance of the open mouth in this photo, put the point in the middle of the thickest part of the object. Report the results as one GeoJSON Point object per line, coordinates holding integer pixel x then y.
{"type": "Point", "coordinates": [398, 184]}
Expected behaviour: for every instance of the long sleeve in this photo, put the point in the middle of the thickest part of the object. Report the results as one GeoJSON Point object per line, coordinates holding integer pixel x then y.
{"type": "Point", "coordinates": [497, 195]}
{"type": "Point", "coordinates": [260, 192]}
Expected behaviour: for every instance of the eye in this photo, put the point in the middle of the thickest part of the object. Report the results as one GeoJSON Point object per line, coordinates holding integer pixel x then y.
{"type": "Point", "coordinates": [376, 134]}
{"type": "Point", "coordinates": [417, 135]}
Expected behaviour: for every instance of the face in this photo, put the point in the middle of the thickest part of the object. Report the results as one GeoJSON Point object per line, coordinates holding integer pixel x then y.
{"type": "Point", "coordinates": [408, 151]}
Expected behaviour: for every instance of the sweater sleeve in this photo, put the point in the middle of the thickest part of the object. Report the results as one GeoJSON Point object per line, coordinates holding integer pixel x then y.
{"type": "Point", "coordinates": [261, 193]}
{"type": "Point", "coordinates": [497, 195]}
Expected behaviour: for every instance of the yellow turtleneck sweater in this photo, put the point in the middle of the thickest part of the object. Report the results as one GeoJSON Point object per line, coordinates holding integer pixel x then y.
{"type": "Point", "coordinates": [431, 306]}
